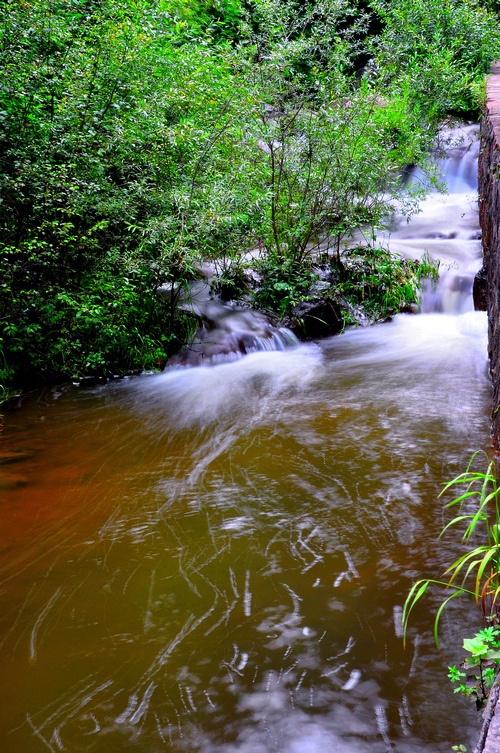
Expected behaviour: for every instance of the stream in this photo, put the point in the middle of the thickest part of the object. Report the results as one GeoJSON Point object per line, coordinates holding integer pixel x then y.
{"type": "Point", "coordinates": [216, 558]}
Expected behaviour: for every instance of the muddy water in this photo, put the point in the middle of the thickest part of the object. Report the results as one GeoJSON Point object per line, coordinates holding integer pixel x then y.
{"type": "Point", "coordinates": [215, 559]}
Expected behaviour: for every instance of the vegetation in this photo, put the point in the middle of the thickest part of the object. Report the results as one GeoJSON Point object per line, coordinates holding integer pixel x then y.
{"type": "Point", "coordinates": [475, 573]}
{"type": "Point", "coordinates": [439, 51]}
{"type": "Point", "coordinates": [383, 283]}
{"type": "Point", "coordinates": [138, 139]}
{"type": "Point", "coordinates": [484, 650]}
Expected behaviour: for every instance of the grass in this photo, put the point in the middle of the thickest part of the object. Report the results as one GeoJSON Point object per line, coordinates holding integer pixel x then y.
{"type": "Point", "coordinates": [477, 571]}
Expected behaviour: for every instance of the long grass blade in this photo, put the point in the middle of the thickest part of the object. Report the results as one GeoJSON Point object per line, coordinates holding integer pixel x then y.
{"type": "Point", "coordinates": [484, 562]}
{"type": "Point", "coordinates": [453, 522]}
{"type": "Point", "coordinates": [438, 615]}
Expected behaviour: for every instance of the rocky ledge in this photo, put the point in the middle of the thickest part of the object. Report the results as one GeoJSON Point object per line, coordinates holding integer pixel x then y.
{"type": "Point", "coordinates": [488, 288]}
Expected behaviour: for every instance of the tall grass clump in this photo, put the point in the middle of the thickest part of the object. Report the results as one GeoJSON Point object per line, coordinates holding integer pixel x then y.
{"type": "Point", "coordinates": [477, 571]}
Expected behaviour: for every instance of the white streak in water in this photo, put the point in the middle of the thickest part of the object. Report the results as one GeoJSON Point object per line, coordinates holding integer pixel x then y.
{"type": "Point", "coordinates": [39, 734]}
{"type": "Point", "coordinates": [415, 656]}
{"type": "Point", "coordinates": [225, 617]}
{"type": "Point", "coordinates": [243, 662]}
{"type": "Point", "coordinates": [350, 645]}
{"type": "Point", "coordinates": [334, 671]}
{"type": "Point", "coordinates": [97, 727]}
{"type": "Point", "coordinates": [190, 699]}
{"type": "Point", "coordinates": [311, 564]}
{"type": "Point", "coordinates": [296, 604]}
{"type": "Point", "coordinates": [185, 576]}
{"type": "Point", "coordinates": [233, 583]}
{"type": "Point", "coordinates": [304, 543]}
{"type": "Point", "coordinates": [404, 724]}
{"type": "Point", "coordinates": [56, 738]}
{"type": "Point", "coordinates": [292, 666]}
{"type": "Point", "coordinates": [39, 621]}
{"type": "Point", "coordinates": [188, 627]}
{"type": "Point", "coordinates": [76, 710]}
{"type": "Point", "coordinates": [383, 725]}
{"type": "Point", "coordinates": [209, 699]}
{"type": "Point", "coordinates": [301, 680]}
{"type": "Point", "coordinates": [160, 731]}
{"type": "Point", "coordinates": [350, 564]}
{"type": "Point", "coordinates": [247, 597]}
{"type": "Point", "coordinates": [181, 694]}
{"type": "Point", "coordinates": [147, 617]}
{"type": "Point", "coordinates": [338, 580]}
{"type": "Point", "coordinates": [398, 621]}
{"type": "Point", "coordinates": [352, 681]}
{"type": "Point", "coordinates": [73, 700]}
{"type": "Point", "coordinates": [132, 703]}
{"type": "Point", "coordinates": [143, 707]}
{"type": "Point", "coordinates": [235, 655]}
{"type": "Point", "coordinates": [407, 711]}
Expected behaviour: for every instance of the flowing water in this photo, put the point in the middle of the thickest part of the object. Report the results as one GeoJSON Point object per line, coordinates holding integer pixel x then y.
{"type": "Point", "coordinates": [216, 558]}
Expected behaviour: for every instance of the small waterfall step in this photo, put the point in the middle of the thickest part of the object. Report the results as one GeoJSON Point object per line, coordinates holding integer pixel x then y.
{"type": "Point", "coordinates": [228, 333]}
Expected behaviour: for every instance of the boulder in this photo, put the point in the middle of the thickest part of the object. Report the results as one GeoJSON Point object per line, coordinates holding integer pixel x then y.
{"type": "Point", "coordinates": [480, 290]}
{"type": "Point", "coordinates": [316, 318]}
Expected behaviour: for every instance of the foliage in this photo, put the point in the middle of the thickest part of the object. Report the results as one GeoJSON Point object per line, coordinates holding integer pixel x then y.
{"type": "Point", "coordinates": [139, 139]}
{"type": "Point", "coordinates": [285, 283]}
{"type": "Point", "coordinates": [384, 283]}
{"type": "Point", "coordinates": [481, 563]}
{"type": "Point", "coordinates": [330, 154]}
{"type": "Point", "coordinates": [88, 226]}
{"type": "Point", "coordinates": [442, 49]}
{"type": "Point", "coordinates": [369, 278]}
{"type": "Point", "coordinates": [485, 657]}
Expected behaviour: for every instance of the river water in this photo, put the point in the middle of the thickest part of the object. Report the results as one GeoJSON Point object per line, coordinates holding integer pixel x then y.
{"type": "Point", "coordinates": [216, 558]}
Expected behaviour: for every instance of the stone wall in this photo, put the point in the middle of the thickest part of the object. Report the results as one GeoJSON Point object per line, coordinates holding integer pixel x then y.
{"type": "Point", "coordinates": [489, 212]}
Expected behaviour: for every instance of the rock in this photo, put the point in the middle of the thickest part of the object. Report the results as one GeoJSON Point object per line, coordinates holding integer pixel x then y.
{"type": "Point", "coordinates": [480, 290]}
{"type": "Point", "coordinates": [13, 403]}
{"type": "Point", "coordinates": [88, 381]}
{"type": "Point", "coordinates": [314, 319]}
{"type": "Point", "coordinates": [409, 308]}
{"type": "Point", "coordinates": [489, 214]}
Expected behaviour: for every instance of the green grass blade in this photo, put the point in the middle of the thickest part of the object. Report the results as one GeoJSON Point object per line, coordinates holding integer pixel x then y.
{"type": "Point", "coordinates": [438, 615]}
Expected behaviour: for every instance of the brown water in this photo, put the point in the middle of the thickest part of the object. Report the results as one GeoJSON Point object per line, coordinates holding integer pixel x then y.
{"type": "Point", "coordinates": [215, 559]}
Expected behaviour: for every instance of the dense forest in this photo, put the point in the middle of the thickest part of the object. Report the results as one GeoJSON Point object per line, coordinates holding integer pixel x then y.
{"type": "Point", "coordinates": [139, 139]}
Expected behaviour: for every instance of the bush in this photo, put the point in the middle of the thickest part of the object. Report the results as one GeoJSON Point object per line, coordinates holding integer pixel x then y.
{"type": "Point", "coordinates": [140, 139]}
{"type": "Point", "coordinates": [442, 49]}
